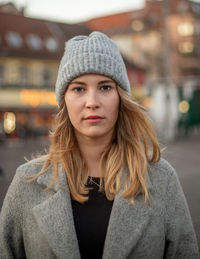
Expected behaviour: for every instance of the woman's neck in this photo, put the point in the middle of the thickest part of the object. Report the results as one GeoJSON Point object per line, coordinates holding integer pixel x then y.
{"type": "Point", "coordinates": [91, 150]}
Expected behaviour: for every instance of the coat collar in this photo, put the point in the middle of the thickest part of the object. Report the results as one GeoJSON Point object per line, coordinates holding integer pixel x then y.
{"type": "Point", "coordinates": [55, 218]}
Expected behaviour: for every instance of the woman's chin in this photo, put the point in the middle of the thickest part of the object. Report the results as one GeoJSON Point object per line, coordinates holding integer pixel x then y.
{"type": "Point", "coordinates": [95, 134]}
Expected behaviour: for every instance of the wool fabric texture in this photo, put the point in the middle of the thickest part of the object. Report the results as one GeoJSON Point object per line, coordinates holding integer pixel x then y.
{"type": "Point", "coordinates": [39, 224]}
{"type": "Point", "coordinates": [95, 53]}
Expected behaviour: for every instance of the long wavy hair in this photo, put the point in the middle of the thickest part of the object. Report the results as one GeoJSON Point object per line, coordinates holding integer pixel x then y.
{"type": "Point", "coordinates": [133, 146]}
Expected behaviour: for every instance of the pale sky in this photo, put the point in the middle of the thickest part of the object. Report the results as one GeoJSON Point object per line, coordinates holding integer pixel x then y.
{"type": "Point", "coordinates": [72, 11]}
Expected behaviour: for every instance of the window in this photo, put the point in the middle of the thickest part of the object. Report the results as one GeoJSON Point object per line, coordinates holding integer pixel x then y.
{"type": "Point", "coordinates": [46, 77]}
{"type": "Point", "coordinates": [51, 44]}
{"type": "Point", "coordinates": [14, 39]}
{"type": "Point", "coordinates": [23, 76]}
{"type": "Point", "coordinates": [137, 25]}
{"type": "Point", "coordinates": [186, 47]}
{"type": "Point", "coordinates": [182, 7]}
{"type": "Point", "coordinates": [196, 8]}
{"type": "Point", "coordinates": [34, 42]}
{"type": "Point", "coordinates": [1, 75]}
{"type": "Point", "coordinates": [185, 29]}
{"type": "Point", "coordinates": [197, 28]}
{"type": "Point", "coordinates": [191, 71]}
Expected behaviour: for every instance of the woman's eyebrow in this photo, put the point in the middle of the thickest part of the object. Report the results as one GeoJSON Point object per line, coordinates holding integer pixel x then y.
{"type": "Point", "coordinates": [105, 81]}
{"type": "Point", "coordinates": [78, 82]}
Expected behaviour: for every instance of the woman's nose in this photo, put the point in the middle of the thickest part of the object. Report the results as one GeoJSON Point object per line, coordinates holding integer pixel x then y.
{"type": "Point", "coordinates": [92, 100]}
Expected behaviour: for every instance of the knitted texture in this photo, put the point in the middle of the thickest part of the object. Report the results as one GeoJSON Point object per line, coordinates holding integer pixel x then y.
{"type": "Point", "coordinates": [96, 54]}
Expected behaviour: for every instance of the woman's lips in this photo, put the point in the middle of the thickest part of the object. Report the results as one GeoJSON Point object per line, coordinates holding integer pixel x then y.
{"type": "Point", "coordinates": [93, 118]}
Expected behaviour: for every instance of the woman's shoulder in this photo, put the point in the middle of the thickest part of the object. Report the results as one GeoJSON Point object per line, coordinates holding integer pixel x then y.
{"type": "Point", "coordinates": [161, 172]}
{"type": "Point", "coordinates": [31, 167]}
{"type": "Point", "coordinates": [163, 166]}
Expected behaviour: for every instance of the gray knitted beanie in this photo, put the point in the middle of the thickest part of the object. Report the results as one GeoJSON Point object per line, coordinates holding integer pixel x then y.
{"type": "Point", "coordinates": [96, 54]}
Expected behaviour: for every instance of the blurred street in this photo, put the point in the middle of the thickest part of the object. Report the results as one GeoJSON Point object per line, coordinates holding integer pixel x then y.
{"type": "Point", "coordinates": [183, 154]}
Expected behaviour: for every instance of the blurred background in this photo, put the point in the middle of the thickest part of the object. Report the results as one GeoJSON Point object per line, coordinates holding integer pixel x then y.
{"type": "Point", "coordinates": [160, 44]}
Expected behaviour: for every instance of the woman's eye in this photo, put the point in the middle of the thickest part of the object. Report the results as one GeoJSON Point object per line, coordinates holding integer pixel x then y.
{"type": "Point", "coordinates": [106, 87]}
{"type": "Point", "coordinates": [78, 89]}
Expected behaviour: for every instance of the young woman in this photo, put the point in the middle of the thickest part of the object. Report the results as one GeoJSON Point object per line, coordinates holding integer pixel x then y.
{"type": "Point", "coordinates": [102, 191]}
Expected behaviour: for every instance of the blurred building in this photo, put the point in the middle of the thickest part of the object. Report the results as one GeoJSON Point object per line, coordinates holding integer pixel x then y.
{"type": "Point", "coordinates": [146, 35]}
{"type": "Point", "coordinates": [30, 51]}
{"type": "Point", "coordinates": [164, 38]}
{"type": "Point", "coordinates": [160, 44]}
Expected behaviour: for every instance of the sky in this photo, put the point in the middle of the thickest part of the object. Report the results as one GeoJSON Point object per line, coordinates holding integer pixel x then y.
{"type": "Point", "coordinates": [72, 11]}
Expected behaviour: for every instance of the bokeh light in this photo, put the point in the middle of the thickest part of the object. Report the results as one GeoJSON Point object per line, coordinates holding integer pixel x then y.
{"type": "Point", "coordinates": [9, 122]}
{"type": "Point", "coordinates": [184, 106]}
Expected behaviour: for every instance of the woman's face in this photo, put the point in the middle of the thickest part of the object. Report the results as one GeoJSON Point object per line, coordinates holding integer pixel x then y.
{"type": "Point", "coordinates": [92, 102]}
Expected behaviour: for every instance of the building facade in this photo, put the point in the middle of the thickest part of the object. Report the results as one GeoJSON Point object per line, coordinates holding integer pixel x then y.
{"type": "Point", "coordinates": [164, 38]}
{"type": "Point", "coordinates": [30, 52]}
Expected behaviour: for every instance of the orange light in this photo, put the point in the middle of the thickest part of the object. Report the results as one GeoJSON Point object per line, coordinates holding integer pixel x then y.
{"type": "Point", "coordinates": [37, 97]}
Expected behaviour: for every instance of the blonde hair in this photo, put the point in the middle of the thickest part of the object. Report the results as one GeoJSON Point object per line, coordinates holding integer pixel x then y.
{"type": "Point", "coordinates": [133, 146]}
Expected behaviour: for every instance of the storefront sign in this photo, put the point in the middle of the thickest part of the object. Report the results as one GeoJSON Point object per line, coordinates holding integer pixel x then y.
{"type": "Point", "coordinates": [26, 98]}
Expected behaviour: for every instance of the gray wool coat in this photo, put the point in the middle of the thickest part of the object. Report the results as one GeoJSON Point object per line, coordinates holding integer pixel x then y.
{"type": "Point", "coordinates": [38, 224]}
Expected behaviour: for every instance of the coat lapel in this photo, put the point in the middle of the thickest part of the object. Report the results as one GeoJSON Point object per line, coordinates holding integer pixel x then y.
{"type": "Point", "coordinates": [55, 219]}
{"type": "Point", "coordinates": [127, 224]}
{"type": "Point", "coordinates": [54, 216]}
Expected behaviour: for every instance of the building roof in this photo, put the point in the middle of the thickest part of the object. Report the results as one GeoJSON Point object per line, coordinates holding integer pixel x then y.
{"type": "Point", "coordinates": [151, 15]}
{"type": "Point", "coordinates": [27, 37]}
{"type": "Point", "coordinates": [10, 8]}
{"type": "Point", "coordinates": [122, 22]}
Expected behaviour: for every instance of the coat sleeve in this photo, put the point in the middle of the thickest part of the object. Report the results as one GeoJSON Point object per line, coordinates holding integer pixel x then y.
{"type": "Point", "coordinates": [11, 238]}
{"type": "Point", "coordinates": [181, 242]}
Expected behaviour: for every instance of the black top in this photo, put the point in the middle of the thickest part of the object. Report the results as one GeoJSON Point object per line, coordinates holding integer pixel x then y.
{"type": "Point", "coordinates": [91, 221]}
